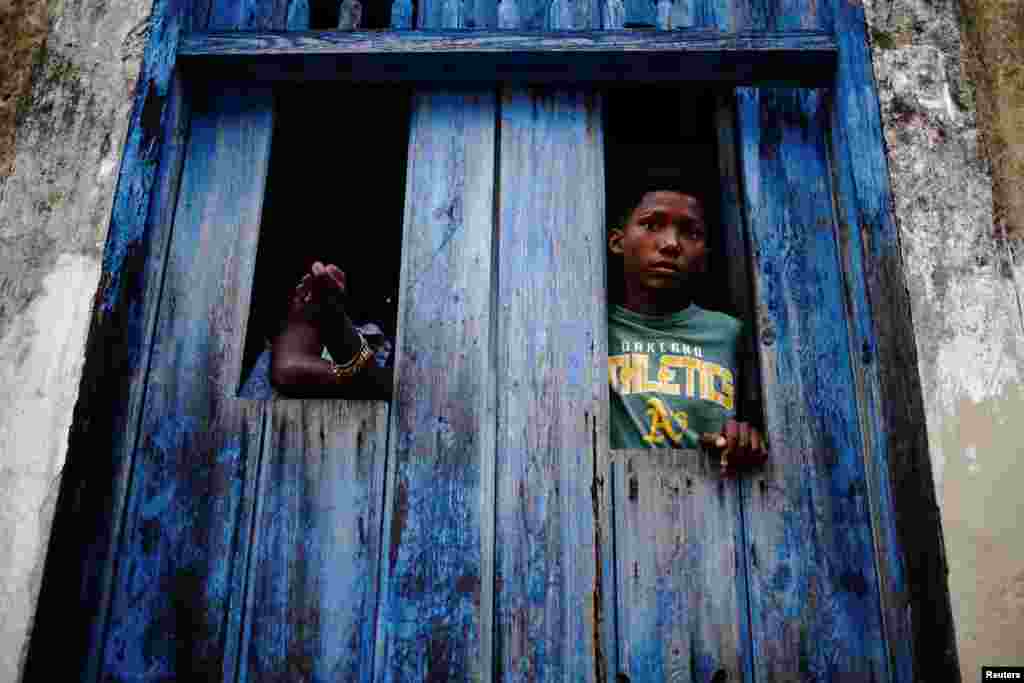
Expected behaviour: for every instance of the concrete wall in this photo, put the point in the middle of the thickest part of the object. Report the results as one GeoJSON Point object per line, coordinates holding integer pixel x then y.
{"type": "Point", "coordinates": [65, 94]}
{"type": "Point", "coordinates": [953, 107]}
{"type": "Point", "coordinates": [953, 110]}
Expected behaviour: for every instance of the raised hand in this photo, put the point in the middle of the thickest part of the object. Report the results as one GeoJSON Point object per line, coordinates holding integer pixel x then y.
{"type": "Point", "coordinates": [320, 292]}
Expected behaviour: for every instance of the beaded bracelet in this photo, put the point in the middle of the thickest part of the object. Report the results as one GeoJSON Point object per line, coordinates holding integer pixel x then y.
{"type": "Point", "coordinates": [354, 365]}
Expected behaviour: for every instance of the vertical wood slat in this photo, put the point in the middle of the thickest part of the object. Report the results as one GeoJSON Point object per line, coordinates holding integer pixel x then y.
{"type": "Point", "coordinates": [552, 366]}
{"type": "Point", "coordinates": [559, 15]}
{"type": "Point", "coordinates": [682, 606]}
{"type": "Point", "coordinates": [314, 566]}
{"type": "Point", "coordinates": [784, 136]}
{"type": "Point", "coordinates": [164, 201]}
{"type": "Point", "coordinates": [178, 590]}
{"type": "Point", "coordinates": [813, 585]}
{"type": "Point", "coordinates": [177, 595]}
{"type": "Point", "coordinates": [741, 291]}
{"type": "Point", "coordinates": [436, 599]}
{"type": "Point", "coordinates": [736, 252]}
{"type": "Point", "coordinates": [908, 537]}
{"type": "Point", "coordinates": [436, 596]}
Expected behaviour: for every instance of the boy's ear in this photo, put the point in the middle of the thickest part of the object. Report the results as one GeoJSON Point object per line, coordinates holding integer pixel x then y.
{"type": "Point", "coordinates": [615, 240]}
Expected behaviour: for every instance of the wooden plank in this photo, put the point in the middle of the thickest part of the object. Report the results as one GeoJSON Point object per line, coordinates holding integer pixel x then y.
{"type": "Point", "coordinates": [314, 569]}
{"type": "Point", "coordinates": [813, 585]}
{"type": "Point", "coordinates": [799, 57]}
{"type": "Point", "coordinates": [737, 255]}
{"type": "Point", "coordinates": [908, 536]}
{"type": "Point", "coordinates": [164, 202]}
{"type": "Point", "coordinates": [434, 621]}
{"type": "Point", "coordinates": [845, 20]}
{"type": "Point", "coordinates": [178, 587]}
{"type": "Point", "coordinates": [472, 15]}
{"type": "Point", "coordinates": [552, 427]}
{"type": "Point", "coordinates": [678, 541]}
{"type": "Point", "coordinates": [87, 526]}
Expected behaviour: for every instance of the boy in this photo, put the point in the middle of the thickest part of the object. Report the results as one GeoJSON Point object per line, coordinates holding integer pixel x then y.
{"type": "Point", "coordinates": [673, 367]}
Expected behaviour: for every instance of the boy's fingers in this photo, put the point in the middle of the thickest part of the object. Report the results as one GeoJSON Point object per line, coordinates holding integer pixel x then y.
{"type": "Point", "coordinates": [731, 434]}
{"type": "Point", "coordinates": [711, 439]}
{"type": "Point", "coordinates": [337, 276]}
{"type": "Point", "coordinates": [744, 438]}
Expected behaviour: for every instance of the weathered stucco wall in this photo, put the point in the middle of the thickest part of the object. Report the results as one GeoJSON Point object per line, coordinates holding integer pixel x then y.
{"type": "Point", "coordinates": [65, 94]}
{"type": "Point", "coordinates": [949, 131]}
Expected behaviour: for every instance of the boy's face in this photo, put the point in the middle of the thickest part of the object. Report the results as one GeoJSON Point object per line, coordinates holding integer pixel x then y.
{"type": "Point", "coordinates": [664, 242]}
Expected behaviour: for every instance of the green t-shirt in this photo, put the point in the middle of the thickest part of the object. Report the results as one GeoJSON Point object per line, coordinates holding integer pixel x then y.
{"type": "Point", "coordinates": [672, 376]}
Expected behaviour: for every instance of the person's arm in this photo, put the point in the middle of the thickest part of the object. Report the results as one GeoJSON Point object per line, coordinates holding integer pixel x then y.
{"type": "Point", "coordinates": [310, 377]}
{"type": "Point", "coordinates": [297, 368]}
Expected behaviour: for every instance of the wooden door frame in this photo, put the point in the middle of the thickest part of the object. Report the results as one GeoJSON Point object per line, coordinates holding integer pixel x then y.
{"type": "Point", "coordinates": [909, 542]}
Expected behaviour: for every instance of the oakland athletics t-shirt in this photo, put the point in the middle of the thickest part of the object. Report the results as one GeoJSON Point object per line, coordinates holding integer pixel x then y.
{"type": "Point", "coordinates": [673, 377]}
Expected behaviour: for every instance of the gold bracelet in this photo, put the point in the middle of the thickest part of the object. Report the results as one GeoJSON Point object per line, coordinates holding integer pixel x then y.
{"type": "Point", "coordinates": [354, 365]}
{"type": "Point", "coordinates": [363, 346]}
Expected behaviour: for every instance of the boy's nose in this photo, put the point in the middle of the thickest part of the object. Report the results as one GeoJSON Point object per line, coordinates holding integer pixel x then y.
{"type": "Point", "coordinates": [669, 242]}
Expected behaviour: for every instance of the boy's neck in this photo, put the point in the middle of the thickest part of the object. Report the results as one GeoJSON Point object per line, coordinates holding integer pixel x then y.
{"type": "Point", "coordinates": [656, 302]}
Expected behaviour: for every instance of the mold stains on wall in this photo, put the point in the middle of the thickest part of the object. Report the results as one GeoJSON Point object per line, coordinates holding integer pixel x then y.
{"type": "Point", "coordinates": [993, 47]}
{"type": "Point", "coordinates": [964, 280]}
{"type": "Point", "coordinates": [22, 33]}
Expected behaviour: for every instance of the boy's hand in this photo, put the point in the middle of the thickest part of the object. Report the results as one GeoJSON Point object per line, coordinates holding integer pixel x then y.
{"type": "Point", "coordinates": [740, 446]}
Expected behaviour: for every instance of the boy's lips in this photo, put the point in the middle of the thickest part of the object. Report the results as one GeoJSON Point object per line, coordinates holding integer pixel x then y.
{"type": "Point", "coordinates": [664, 266]}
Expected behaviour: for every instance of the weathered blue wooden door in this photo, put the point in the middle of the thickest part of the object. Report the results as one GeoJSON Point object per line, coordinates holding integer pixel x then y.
{"type": "Point", "coordinates": [477, 527]}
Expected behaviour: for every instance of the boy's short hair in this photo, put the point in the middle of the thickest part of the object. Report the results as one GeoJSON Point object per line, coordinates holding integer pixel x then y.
{"type": "Point", "coordinates": [652, 179]}
{"type": "Point", "coordinates": [625, 195]}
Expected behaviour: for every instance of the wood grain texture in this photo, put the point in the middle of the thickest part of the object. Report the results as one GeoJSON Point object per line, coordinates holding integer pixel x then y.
{"type": "Point", "coordinates": [737, 256]}
{"type": "Point", "coordinates": [552, 367]}
{"type": "Point", "coordinates": [178, 589]}
{"type": "Point", "coordinates": [435, 612]}
{"type": "Point", "coordinates": [682, 603]}
{"type": "Point", "coordinates": [803, 58]}
{"type": "Point", "coordinates": [910, 550]}
{"type": "Point", "coordinates": [813, 585]}
{"type": "Point", "coordinates": [314, 567]}
{"type": "Point", "coordinates": [102, 449]}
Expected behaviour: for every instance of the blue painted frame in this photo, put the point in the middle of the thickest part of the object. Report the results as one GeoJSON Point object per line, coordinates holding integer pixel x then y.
{"type": "Point", "coordinates": [799, 58]}
{"type": "Point", "coordinates": [908, 536]}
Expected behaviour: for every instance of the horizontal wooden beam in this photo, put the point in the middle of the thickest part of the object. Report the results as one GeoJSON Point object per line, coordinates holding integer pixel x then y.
{"type": "Point", "coordinates": [791, 58]}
